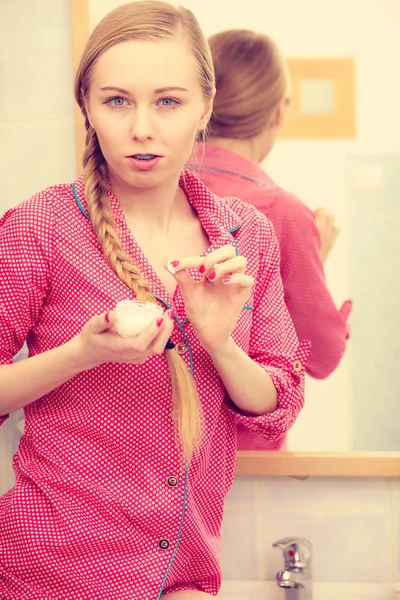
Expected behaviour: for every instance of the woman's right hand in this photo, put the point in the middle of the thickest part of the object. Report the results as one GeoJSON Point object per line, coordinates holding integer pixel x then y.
{"type": "Point", "coordinates": [99, 342]}
{"type": "Point", "coordinates": [326, 226]}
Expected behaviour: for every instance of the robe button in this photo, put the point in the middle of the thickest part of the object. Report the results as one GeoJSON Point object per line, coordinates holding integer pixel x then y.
{"type": "Point", "coordinates": [297, 366]}
{"type": "Point", "coordinates": [181, 348]}
{"type": "Point", "coordinates": [163, 544]}
{"type": "Point", "coordinates": [172, 481]}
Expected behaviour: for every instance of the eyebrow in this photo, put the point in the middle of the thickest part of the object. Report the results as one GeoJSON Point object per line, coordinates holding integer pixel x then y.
{"type": "Point", "coordinates": [158, 91]}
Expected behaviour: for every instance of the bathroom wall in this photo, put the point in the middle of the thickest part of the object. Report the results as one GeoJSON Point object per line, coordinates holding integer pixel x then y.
{"type": "Point", "coordinates": [353, 524]}
{"type": "Point", "coordinates": [37, 146]}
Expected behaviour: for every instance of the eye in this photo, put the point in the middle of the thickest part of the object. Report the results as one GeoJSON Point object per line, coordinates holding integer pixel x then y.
{"type": "Point", "coordinates": [168, 103]}
{"type": "Point", "coordinates": [117, 102]}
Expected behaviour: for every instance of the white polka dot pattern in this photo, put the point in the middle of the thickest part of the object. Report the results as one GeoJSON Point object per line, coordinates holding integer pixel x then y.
{"type": "Point", "coordinates": [93, 515]}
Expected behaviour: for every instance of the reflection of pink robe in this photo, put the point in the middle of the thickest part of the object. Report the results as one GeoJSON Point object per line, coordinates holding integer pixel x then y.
{"type": "Point", "coordinates": [101, 508]}
{"type": "Point", "coordinates": [307, 298]}
{"type": "Point", "coordinates": [247, 440]}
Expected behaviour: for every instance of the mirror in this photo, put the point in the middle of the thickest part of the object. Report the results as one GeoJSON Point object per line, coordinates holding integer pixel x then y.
{"type": "Point", "coordinates": [356, 176]}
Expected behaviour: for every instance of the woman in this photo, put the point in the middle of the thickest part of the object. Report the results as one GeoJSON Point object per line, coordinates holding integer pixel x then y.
{"type": "Point", "coordinates": [116, 496]}
{"type": "Point", "coordinates": [249, 109]}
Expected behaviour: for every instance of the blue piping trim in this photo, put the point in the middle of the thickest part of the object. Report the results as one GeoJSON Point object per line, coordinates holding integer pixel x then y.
{"type": "Point", "coordinates": [180, 325]}
{"type": "Point", "coordinates": [179, 534]}
{"type": "Point", "coordinates": [226, 172]}
{"type": "Point", "coordinates": [234, 241]}
{"type": "Point", "coordinates": [231, 231]}
{"type": "Point", "coordinates": [83, 211]}
{"type": "Point", "coordinates": [189, 348]}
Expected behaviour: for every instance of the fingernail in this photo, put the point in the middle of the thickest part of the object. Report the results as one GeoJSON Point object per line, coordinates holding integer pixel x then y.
{"type": "Point", "coordinates": [226, 279]}
{"type": "Point", "coordinates": [170, 314]}
{"type": "Point", "coordinates": [172, 265]}
{"type": "Point", "coordinates": [107, 318]}
{"type": "Point", "coordinates": [211, 276]}
{"type": "Point", "coordinates": [159, 322]}
{"type": "Point", "coordinates": [202, 269]}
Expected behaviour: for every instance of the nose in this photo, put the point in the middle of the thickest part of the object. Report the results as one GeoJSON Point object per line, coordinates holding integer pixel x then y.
{"type": "Point", "coordinates": [142, 125]}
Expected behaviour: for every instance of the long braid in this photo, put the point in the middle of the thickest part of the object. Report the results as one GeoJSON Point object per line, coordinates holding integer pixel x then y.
{"type": "Point", "coordinates": [96, 194]}
{"type": "Point", "coordinates": [187, 412]}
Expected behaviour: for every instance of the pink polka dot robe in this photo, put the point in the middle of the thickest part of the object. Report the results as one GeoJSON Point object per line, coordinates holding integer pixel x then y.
{"type": "Point", "coordinates": [103, 506]}
{"type": "Point", "coordinates": [307, 297]}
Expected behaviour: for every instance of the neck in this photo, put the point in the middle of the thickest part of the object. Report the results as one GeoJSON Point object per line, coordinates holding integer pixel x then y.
{"type": "Point", "coordinates": [255, 149]}
{"type": "Point", "coordinates": [151, 208]}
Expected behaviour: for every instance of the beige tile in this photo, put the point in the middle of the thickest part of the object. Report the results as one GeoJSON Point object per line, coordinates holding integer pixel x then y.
{"type": "Point", "coordinates": [243, 491]}
{"type": "Point", "coordinates": [396, 557]}
{"type": "Point", "coordinates": [348, 547]}
{"type": "Point", "coordinates": [239, 557]}
{"type": "Point", "coordinates": [326, 490]}
{"type": "Point", "coordinates": [396, 484]}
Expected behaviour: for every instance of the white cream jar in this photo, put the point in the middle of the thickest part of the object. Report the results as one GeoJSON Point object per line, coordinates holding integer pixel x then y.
{"type": "Point", "coordinates": [132, 317]}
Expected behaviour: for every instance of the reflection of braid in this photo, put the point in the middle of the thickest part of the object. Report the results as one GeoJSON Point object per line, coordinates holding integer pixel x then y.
{"type": "Point", "coordinates": [186, 405]}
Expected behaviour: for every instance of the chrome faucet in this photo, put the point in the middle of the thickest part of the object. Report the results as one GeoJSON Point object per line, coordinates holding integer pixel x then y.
{"type": "Point", "coordinates": [296, 578]}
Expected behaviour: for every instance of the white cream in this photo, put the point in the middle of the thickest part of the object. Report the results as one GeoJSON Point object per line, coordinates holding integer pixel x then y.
{"type": "Point", "coordinates": [133, 316]}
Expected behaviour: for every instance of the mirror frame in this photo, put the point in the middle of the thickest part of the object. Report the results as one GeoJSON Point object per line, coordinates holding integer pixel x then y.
{"type": "Point", "coordinates": [295, 464]}
{"type": "Point", "coordinates": [326, 464]}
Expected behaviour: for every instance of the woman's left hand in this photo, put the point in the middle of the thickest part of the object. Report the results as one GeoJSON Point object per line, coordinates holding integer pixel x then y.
{"type": "Point", "coordinates": [214, 304]}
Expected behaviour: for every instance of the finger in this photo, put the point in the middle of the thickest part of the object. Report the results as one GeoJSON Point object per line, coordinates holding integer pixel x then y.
{"type": "Point", "coordinates": [229, 267]}
{"type": "Point", "coordinates": [217, 257]}
{"type": "Point", "coordinates": [182, 277]}
{"type": "Point", "coordinates": [195, 262]}
{"type": "Point", "coordinates": [320, 212]}
{"type": "Point", "coordinates": [238, 280]}
{"type": "Point", "coordinates": [102, 322]}
{"type": "Point", "coordinates": [158, 344]}
{"type": "Point", "coordinates": [336, 232]}
{"type": "Point", "coordinates": [141, 342]}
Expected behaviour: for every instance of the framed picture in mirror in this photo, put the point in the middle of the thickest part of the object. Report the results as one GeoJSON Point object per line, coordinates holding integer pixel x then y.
{"type": "Point", "coordinates": [322, 103]}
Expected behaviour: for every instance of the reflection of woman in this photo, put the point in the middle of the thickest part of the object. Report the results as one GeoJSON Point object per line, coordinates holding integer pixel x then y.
{"type": "Point", "coordinates": [104, 506]}
{"type": "Point", "coordinates": [249, 108]}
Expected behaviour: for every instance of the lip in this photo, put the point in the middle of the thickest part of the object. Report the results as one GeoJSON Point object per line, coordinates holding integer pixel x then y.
{"type": "Point", "coordinates": [144, 165]}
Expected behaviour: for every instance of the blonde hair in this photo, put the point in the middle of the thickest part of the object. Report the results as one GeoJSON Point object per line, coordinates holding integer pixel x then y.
{"type": "Point", "coordinates": [146, 20]}
{"type": "Point", "coordinates": [251, 77]}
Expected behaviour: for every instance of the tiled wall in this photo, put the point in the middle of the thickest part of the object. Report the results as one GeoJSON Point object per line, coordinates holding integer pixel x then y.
{"type": "Point", "coordinates": [353, 524]}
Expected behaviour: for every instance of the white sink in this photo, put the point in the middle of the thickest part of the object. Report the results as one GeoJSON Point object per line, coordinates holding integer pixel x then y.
{"type": "Point", "coordinates": [268, 590]}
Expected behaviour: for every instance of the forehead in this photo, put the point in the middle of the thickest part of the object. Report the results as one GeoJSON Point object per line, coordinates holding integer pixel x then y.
{"type": "Point", "coordinates": [147, 65]}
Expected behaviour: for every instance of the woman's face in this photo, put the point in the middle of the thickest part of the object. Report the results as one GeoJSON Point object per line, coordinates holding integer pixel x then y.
{"type": "Point", "coordinates": [147, 106]}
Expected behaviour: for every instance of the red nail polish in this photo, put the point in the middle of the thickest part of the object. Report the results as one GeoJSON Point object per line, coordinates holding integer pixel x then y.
{"type": "Point", "coordinates": [211, 275]}
{"type": "Point", "coordinates": [202, 269]}
{"type": "Point", "coordinates": [226, 279]}
{"type": "Point", "coordinates": [107, 318]}
{"type": "Point", "coordinates": [175, 263]}
{"type": "Point", "coordinates": [159, 322]}
{"type": "Point", "coordinates": [171, 316]}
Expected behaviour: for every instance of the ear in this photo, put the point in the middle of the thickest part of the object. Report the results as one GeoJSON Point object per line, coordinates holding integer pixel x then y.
{"type": "Point", "coordinates": [281, 112]}
{"type": "Point", "coordinates": [87, 106]}
{"type": "Point", "coordinates": [205, 117]}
